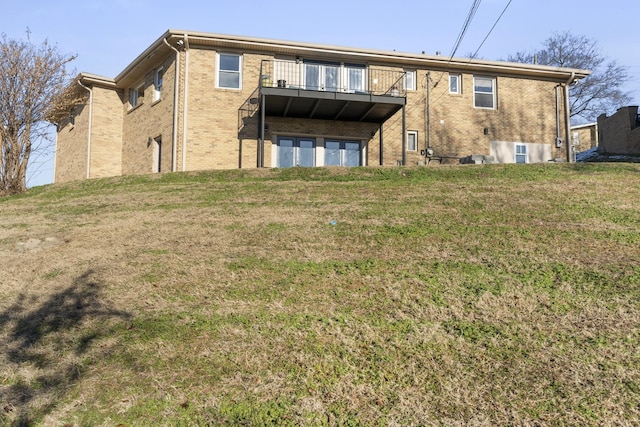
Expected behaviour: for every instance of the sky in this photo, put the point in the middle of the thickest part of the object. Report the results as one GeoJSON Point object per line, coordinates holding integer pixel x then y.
{"type": "Point", "coordinates": [107, 35]}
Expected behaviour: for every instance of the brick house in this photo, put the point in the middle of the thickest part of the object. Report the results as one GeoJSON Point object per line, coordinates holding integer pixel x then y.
{"type": "Point", "coordinates": [194, 101]}
{"type": "Point", "coordinates": [585, 136]}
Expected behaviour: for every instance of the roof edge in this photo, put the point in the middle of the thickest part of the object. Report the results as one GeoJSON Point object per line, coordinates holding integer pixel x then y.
{"type": "Point", "coordinates": [436, 63]}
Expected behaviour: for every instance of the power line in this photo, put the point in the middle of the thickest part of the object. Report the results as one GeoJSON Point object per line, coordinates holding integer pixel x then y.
{"type": "Point", "coordinates": [491, 30]}
{"type": "Point", "coordinates": [470, 15]}
{"type": "Point", "coordinates": [465, 26]}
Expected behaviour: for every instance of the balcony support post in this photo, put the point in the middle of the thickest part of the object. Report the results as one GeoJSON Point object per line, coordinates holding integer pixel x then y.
{"type": "Point", "coordinates": [263, 106]}
{"type": "Point", "coordinates": [404, 134]}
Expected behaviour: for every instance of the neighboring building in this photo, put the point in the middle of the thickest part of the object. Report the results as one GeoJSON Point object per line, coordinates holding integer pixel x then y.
{"type": "Point", "coordinates": [620, 133]}
{"type": "Point", "coordinates": [584, 137]}
{"type": "Point", "coordinates": [194, 101]}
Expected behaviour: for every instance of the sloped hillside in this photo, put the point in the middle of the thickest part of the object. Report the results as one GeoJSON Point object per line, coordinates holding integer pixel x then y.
{"type": "Point", "coordinates": [466, 295]}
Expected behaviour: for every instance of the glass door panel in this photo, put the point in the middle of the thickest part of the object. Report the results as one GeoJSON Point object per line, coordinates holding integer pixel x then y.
{"type": "Point", "coordinates": [355, 78]}
{"type": "Point", "coordinates": [332, 153]}
{"type": "Point", "coordinates": [285, 153]}
{"type": "Point", "coordinates": [351, 153]}
{"type": "Point", "coordinates": [312, 76]}
{"type": "Point", "coordinates": [306, 153]}
{"type": "Point", "coordinates": [331, 78]}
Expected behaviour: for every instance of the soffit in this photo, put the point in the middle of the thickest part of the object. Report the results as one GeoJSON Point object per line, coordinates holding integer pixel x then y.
{"type": "Point", "coordinates": [170, 40]}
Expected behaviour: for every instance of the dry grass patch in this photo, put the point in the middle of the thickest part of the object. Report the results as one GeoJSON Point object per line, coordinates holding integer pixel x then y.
{"type": "Point", "coordinates": [441, 296]}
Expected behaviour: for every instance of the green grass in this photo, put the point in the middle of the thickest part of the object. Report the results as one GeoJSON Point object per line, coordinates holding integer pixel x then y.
{"type": "Point", "coordinates": [493, 295]}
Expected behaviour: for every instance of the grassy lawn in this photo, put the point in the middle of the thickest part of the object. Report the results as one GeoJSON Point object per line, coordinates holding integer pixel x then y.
{"type": "Point", "coordinates": [465, 295]}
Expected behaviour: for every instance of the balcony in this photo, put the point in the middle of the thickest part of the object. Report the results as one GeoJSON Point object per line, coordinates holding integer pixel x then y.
{"type": "Point", "coordinates": [330, 91]}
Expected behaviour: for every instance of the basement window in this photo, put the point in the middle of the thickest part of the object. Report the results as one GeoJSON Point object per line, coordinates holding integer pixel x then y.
{"type": "Point", "coordinates": [521, 153]}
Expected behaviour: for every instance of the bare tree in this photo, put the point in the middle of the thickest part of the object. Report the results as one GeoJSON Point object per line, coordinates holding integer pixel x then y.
{"type": "Point", "coordinates": [32, 90]}
{"type": "Point", "coordinates": [601, 92]}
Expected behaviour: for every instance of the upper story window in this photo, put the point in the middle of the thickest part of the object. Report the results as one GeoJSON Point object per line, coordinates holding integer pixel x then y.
{"type": "Point", "coordinates": [484, 92]}
{"type": "Point", "coordinates": [158, 76]}
{"type": "Point", "coordinates": [136, 95]}
{"type": "Point", "coordinates": [455, 84]}
{"type": "Point", "coordinates": [229, 71]}
{"type": "Point", "coordinates": [409, 80]}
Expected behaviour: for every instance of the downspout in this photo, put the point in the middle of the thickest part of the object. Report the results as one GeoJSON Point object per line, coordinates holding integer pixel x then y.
{"type": "Point", "coordinates": [185, 103]}
{"type": "Point", "coordinates": [427, 118]}
{"type": "Point", "coordinates": [567, 111]}
{"type": "Point", "coordinates": [558, 114]}
{"type": "Point", "coordinates": [404, 134]}
{"type": "Point", "coordinates": [381, 160]}
{"type": "Point", "coordinates": [176, 87]}
{"type": "Point", "coordinates": [90, 130]}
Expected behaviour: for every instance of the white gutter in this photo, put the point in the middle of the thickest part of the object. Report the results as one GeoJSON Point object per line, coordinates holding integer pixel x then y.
{"type": "Point", "coordinates": [90, 128]}
{"type": "Point", "coordinates": [176, 87]}
{"type": "Point", "coordinates": [186, 103]}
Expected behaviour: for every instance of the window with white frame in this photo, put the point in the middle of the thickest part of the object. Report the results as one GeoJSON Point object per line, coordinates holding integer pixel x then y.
{"type": "Point", "coordinates": [454, 84]}
{"type": "Point", "coordinates": [412, 140]}
{"type": "Point", "coordinates": [409, 80]}
{"type": "Point", "coordinates": [136, 95]}
{"type": "Point", "coordinates": [158, 76]}
{"type": "Point", "coordinates": [484, 92]}
{"type": "Point", "coordinates": [521, 155]}
{"type": "Point", "coordinates": [229, 71]}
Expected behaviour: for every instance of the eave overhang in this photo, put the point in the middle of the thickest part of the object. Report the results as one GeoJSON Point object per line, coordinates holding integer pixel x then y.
{"type": "Point", "coordinates": [172, 39]}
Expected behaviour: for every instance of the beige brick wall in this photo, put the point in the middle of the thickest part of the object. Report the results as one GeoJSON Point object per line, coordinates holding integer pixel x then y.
{"type": "Point", "coordinates": [213, 137]}
{"type": "Point", "coordinates": [150, 119]}
{"type": "Point", "coordinates": [526, 112]}
{"type": "Point", "coordinates": [71, 146]}
{"type": "Point", "coordinates": [106, 135]}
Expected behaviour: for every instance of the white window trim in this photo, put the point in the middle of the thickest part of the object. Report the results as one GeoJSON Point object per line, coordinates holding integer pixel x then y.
{"type": "Point", "coordinates": [414, 133]}
{"type": "Point", "coordinates": [459, 85]}
{"type": "Point", "coordinates": [136, 90]}
{"type": "Point", "coordinates": [516, 154]}
{"type": "Point", "coordinates": [494, 91]}
{"type": "Point", "coordinates": [409, 84]}
{"type": "Point", "coordinates": [157, 91]}
{"type": "Point", "coordinates": [240, 62]}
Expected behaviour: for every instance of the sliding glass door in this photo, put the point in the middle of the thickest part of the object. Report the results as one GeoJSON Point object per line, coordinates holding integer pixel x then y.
{"type": "Point", "coordinates": [342, 153]}
{"type": "Point", "coordinates": [296, 152]}
{"type": "Point", "coordinates": [332, 77]}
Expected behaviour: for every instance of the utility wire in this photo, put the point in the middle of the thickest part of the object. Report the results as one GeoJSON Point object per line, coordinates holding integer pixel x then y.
{"type": "Point", "coordinates": [491, 30]}
{"type": "Point", "coordinates": [481, 44]}
{"type": "Point", "coordinates": [470, 15]}
{"type": "Point", "coordinates": [465, 27]}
